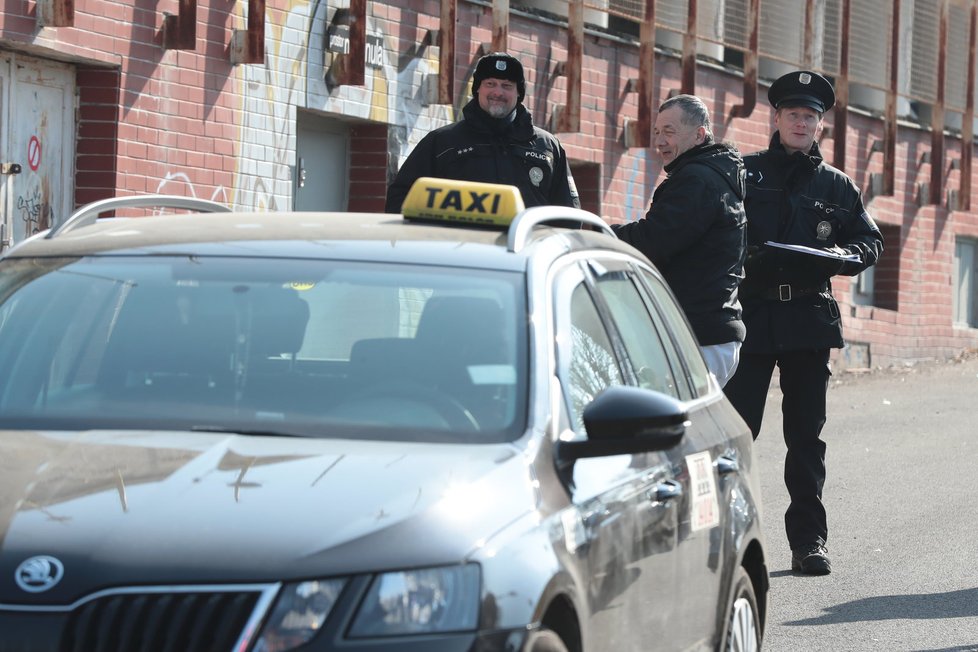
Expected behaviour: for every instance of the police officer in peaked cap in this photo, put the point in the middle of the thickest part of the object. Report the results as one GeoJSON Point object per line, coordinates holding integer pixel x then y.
{"type": "Point", "coordinates": [494, 142]}
{"type": "Point", "coordinates": [802, 88]}
{"type": "Point", "coordinates": [793, 320]}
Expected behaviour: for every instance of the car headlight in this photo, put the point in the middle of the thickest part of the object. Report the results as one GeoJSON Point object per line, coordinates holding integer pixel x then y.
{"type": "Point", "coordinates": [421, 601]}
{"type": "Point", "coordinates": [299, 611]}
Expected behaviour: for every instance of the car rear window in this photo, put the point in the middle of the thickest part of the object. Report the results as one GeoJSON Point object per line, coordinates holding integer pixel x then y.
{"type": "Point", "coordinates": [295, 347]}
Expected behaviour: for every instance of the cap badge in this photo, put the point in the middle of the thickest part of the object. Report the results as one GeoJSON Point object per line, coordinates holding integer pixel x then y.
{"type": "Point", "coordinates": [823, 230]}
{"type": "Point", "coordinates": [804, 78]}
{"type": "Point", "coordinates": [500, 65]}
{"type": "Point", "coordinates": [536, 176]}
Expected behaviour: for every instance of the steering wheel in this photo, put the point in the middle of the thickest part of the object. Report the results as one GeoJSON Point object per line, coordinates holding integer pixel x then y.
{"type": "Point", "coordinates": [403, 399]}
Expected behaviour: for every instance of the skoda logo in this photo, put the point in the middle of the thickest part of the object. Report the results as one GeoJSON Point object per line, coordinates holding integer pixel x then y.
{"type": "Point", "coordinates": [39, 573]}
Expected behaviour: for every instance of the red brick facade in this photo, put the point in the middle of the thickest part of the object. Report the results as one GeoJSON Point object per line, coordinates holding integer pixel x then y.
{"type": "Point", "coordinates": [151, 119]}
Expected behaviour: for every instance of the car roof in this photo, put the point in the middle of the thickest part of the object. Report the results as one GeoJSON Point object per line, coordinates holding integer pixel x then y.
{"type": "Point", "coordinates": [423, 236]}
{"type": "Point", "coordinates": [190, 232]}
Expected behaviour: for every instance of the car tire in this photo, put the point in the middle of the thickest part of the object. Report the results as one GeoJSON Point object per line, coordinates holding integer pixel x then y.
{"type": "Point", "coordinates": [544, 640]}
{"type": "Point", "coordinates": [743, 631]}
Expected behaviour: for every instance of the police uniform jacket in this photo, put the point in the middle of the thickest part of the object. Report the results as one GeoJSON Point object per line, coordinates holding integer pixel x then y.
{"type": "Point", "coordinates": [482, 148]}
{"type": "Point", "coordinates": [694, 233]}
{"type": "Point", "coordinates": [799, 199]}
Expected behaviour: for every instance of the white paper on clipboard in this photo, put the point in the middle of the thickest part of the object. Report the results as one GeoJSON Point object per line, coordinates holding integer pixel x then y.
{"type": "Point", "coordinates": [811, 251]}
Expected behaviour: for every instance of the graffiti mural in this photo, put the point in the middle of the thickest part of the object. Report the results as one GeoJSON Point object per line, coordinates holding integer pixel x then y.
{"type": "Point", "coordinates": [270, 95]}
{"type": "Point", "coordinates": [178, 183]}
{"type": "Point", "coordinates": [33, 205]}
{"type": "Point", "coordinates": [295, 75]}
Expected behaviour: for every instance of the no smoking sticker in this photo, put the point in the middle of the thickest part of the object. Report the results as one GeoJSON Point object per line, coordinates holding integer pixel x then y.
{"type": "Point", "coordinates": [34, 153]}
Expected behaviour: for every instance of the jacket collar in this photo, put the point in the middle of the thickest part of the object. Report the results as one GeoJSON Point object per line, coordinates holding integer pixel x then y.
{"type": "Point", "coordinates": [811, 160]}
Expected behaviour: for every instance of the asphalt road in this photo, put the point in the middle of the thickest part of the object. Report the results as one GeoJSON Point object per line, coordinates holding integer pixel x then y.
{"type": "Point", "coordinates": [903, 517]}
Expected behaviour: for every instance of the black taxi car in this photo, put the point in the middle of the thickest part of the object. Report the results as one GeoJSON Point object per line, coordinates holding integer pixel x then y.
{"type": "Point", "coordinates": [465, 428]}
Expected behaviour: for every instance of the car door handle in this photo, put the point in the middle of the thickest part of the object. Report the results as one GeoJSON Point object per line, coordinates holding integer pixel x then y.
{"type": "Point", "coordinates": [727, 464]}
{"type": "Point", "coordinates": [665, 490]}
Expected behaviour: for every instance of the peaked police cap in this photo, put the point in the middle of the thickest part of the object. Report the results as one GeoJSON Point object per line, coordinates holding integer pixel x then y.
{"type": "Point", "coordinates": [802, 88]}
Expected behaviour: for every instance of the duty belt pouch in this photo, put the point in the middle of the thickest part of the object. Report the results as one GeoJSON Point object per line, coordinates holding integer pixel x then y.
{"type": "Point", "coordinates": [833, 308]}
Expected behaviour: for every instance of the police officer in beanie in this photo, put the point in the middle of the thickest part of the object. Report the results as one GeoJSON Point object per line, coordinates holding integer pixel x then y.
{"type": "Point", "coordinates": [792, 319]}
{"type": "Point", "coordinates": [494, 142]}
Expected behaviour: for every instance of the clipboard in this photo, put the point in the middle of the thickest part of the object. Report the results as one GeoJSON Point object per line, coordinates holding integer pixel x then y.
{"type": "Point", "coordinates": [812, 251]}
{"type": "Point", "coordinates": [801, 264]}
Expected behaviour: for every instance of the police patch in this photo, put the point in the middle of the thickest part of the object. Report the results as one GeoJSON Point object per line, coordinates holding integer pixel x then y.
{"type": "Point", "coordinates": [823, 230]}
{"type": "Point", "coordinates": [536, 176]}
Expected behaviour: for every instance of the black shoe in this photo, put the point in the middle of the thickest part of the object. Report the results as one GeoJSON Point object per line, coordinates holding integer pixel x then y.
{"type": "Point", "coordinates": [811, 559]}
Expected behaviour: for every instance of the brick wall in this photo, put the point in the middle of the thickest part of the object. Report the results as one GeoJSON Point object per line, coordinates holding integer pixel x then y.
{"type": "Point", "coordinates": [191, 122]}
{"type": "Point", "coordinates": [368, 168]}
{"type": "Point", "coordinates": [96, 162]}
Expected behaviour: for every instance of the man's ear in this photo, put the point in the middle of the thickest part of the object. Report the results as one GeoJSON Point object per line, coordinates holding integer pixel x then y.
{"type": "Point", "coordinates": [700, 135]}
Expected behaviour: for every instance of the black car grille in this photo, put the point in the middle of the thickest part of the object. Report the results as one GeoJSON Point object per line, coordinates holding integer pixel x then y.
{"type": "Point", "coordinates": [159, 622]}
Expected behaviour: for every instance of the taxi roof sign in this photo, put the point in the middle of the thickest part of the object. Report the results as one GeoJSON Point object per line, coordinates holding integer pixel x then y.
{"type": "Point", "coordinates": [467, 202]}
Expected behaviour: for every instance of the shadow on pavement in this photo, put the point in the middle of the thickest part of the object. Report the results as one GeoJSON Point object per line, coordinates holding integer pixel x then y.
{"type": "Point", "coordinates": [952, 604]}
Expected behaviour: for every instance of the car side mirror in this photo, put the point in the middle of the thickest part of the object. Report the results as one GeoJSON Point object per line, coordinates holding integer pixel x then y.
{"type": "Point", "coordinates": [624, 420]}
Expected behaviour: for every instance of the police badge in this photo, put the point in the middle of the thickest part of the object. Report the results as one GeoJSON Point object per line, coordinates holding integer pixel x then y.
{"type": "Point", "coordinates": [823, 230]}
{"type": "Point", "coordinates": [536, 176]}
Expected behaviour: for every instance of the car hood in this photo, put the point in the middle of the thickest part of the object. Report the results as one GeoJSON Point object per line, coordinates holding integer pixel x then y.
{"type": "Point", "coordinates": [141, 508]}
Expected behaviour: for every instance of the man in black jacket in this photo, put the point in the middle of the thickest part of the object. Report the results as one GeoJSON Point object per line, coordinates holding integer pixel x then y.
{"type": "Point", "coordinates": [494, 142]}
{"type": "Point", "coordinates": [694, 229]}
{"type": "Point", "coordinates": [795, 198]}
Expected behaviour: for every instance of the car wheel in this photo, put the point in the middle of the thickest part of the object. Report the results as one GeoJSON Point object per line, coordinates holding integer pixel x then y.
{"type": "Point", "coordinates": [743, 624]}
{"type": "Point", "coordinates": [544, 640]}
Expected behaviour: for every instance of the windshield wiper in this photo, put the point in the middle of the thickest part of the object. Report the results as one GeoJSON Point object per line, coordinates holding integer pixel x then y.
{"type": "Point", "coordinates": [244, 431]}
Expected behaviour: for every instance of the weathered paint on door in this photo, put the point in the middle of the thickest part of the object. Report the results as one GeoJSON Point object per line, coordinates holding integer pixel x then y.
{"type": "Point", "coordinates": [37, 126]}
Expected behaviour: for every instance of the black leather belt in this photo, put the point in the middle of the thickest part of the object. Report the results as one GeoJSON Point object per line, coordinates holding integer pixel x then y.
{"type": "Point", "coordinates": [786, 292]}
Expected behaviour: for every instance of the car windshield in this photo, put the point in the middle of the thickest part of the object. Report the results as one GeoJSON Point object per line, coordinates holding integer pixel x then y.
{"type": "Point", "coordinates": [312, 348]}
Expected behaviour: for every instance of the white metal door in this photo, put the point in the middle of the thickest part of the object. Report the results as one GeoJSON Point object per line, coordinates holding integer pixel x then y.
{"type": "Point", "coordinates": [322, 176]}
{"type": "Point", "coordinates": [36, 132]}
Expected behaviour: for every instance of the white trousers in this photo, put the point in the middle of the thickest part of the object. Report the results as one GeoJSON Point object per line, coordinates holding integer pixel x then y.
{"type": "Point", "coordinates": [722, 360]}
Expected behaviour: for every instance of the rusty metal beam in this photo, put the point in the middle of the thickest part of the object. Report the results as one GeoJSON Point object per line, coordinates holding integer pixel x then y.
{"type": "Point", "coordinates": [357, 57]}
{"type": "Point", "coordinates": [807, 45]}
{"type": "Point", "coordinates": [56, 13]}
{"type": "Point", "coordinates": [568, 116]}
{"type": "Point", "coordinates": [500, 25]}
{"type": "Point", "coordinates": [967, 121]}
{"type": "Point", "coordinates": [349, 68]}
{"type": "Point", "coordinates": [890, 111]}
{"type": "Point", "coordinates": [842, 92]}
{"type": "Point", "coordinates": [744, 109]}
{"type": "Point", "coordinates": [638, 132]}
{"type": "Point", "coordinates": [180, 30]}
{"type": "Point", "coordinates": [446, 51]}
{"type": "Point", "coordinates": [688, 84]}
{"type": "Point", "coordinates": [248, 46]}
{"type": "Point", "coordinates": [937, 113]}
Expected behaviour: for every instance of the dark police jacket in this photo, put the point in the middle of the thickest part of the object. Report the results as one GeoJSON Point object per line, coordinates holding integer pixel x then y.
{"type": "Point", "coordinates": [694, 233]}
{"type": "Point", "coordinates": [482, 148]}
{"type": "Point", "coordinates": [799, 199]}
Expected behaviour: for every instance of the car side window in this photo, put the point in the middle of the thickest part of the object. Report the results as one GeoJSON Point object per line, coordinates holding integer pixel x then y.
{"type": "Point", "coordinates": [641, 337]}
{"type": "Point", "coordinates": [592, 364]}
{"type": "Point", "coordinates": [661, 297]}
